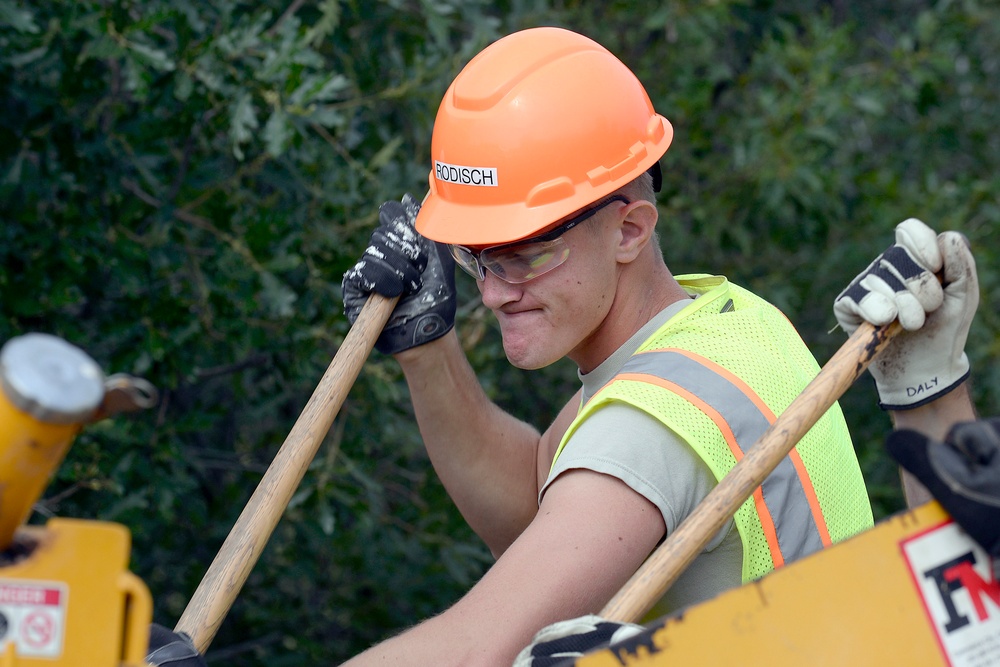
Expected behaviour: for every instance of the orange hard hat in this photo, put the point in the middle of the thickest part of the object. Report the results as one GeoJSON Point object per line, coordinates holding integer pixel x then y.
{"type": "Point", "coordinates": [538, 125]}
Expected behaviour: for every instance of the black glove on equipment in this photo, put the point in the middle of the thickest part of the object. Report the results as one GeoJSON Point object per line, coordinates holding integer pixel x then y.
{"type": "Point", "coordinates": [167, 647]}
{"type": "Point", "coordinates": [399, 261]}
{"type": "Point", "coordinates": [559, 643]}
{"type": "Point", "coordinates": [962, 473]}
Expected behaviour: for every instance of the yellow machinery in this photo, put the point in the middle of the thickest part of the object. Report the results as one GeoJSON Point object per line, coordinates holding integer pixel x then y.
{"type": "Point", "coordinates": [67, 597]}
{"type": "Point", "coordinates": [913, 590]}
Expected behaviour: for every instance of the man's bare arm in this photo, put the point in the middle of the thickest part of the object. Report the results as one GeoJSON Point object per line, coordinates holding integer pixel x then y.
{"type": "Point", "coordinates": [590, 535]}
{"type": "Point", "coordinates": [486, 458]}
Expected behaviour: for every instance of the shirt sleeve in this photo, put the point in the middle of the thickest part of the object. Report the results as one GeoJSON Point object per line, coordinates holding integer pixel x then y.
{"type": "Point", "coordinates": [627, 443]}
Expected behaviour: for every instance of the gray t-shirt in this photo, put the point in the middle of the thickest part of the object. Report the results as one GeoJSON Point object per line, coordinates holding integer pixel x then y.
{"type": "Point", "coordinates": [631, 445]}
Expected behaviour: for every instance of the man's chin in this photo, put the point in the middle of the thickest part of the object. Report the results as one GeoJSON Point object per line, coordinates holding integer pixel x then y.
{"type": "Point", "coordinates": [527, 361]}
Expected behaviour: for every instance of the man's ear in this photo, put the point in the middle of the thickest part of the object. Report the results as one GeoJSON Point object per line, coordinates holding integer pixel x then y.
{"type": "Point", "coordinates": [636, 230]}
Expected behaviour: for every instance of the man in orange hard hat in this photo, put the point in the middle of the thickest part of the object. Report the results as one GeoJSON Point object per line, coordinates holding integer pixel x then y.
{"type": "Point", "coordinates": [921, 378]}
{"type": "Point", "coordinates": [545, 165]}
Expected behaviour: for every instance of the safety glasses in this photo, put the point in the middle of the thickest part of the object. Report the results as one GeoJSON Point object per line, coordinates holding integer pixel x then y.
{"type": "Point", "coordinates": [521, 261]}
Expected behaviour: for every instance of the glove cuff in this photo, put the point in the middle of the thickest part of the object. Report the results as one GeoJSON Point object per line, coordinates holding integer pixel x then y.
{"type": "Point", "coordinates": [415, 332]}
{"type": "Point", "coordinates": [915, 397]}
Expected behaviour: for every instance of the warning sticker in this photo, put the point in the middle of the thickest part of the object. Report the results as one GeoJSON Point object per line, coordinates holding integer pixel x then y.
{"type": "Point", "coordinates": [961, 595]}
{"type": "Point", "coordinates": [33, 616]}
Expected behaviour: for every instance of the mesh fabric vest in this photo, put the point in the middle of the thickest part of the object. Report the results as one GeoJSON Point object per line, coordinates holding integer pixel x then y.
{"type": "Point", "coordinates": [716, 374]}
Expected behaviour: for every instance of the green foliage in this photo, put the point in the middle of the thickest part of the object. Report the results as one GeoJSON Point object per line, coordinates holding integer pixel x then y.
{"type": "Point", "coordinates": [184, 183]}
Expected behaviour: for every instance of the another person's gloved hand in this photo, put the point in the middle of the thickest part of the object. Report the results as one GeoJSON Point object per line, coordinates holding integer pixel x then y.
{"type": "Point", "coordinates": [928, 359]}
{"type": "Point", "coordinates": [400, 262]}
{"type": "Point", "coordinates": [962, 473]}
{"type": "Point", "coordinates": [561, 641]}
{"type": "Point", "coordinates": [174, 649]}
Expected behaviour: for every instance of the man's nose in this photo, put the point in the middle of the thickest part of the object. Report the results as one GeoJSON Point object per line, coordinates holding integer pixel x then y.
{"type": "Point", "coordinates": [497, 292]}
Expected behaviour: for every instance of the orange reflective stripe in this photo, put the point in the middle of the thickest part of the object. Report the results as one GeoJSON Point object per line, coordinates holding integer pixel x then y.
{"type": "Point", "coordinates": [709, 411]}
{"type": "Point", "coordinates": [767, 525]}
{"type": "Point", "coordinates": [766, 521]}
{"type": "Point", "coordinates": [810, 491]}
{"type": "Point", "coordinates": [736, 380]}
{"type": "Point", "coordinates": [800, 468]}
{"type": "Point", "coordinates": [788, 510]}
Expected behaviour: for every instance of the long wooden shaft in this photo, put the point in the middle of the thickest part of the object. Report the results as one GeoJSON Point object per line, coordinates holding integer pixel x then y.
{"type": "Point", "coordinates": [671, 558]}
{"type": "Point", "coordinates": [239, 553]}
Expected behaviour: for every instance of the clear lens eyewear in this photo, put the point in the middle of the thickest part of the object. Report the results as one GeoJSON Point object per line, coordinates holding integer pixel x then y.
{"type": "Point", "coordinates": [521, 261]}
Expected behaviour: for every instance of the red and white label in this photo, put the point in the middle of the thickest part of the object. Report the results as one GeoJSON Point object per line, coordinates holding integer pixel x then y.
{"type": "Point", "coordinates": [33, 616]}
{"type": "Point", "coordinates": [961, 596]}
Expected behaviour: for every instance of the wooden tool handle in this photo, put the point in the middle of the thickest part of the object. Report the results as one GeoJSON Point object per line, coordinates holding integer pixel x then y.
{"type": "Point", "coordinates": [671, 558]}
{"type": "Point", "coordinates": [239, 553]}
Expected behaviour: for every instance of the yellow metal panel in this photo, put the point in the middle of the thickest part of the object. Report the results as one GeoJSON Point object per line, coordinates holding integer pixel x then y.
{"type": "Point", "coordinates": [72, 601]}
{"type": "Point", "coordinates": [857, 603]}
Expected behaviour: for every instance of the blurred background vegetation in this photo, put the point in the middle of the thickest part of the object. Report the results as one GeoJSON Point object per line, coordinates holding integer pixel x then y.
{"type": "Point", "coordinates": [183, 183]}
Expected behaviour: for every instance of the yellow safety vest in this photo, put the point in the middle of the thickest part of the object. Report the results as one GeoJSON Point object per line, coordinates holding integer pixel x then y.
{"type": "Point", "coordinates": [716, 374]}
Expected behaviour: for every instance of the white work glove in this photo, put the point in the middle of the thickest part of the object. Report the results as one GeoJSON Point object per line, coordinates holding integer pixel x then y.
{"type": "Point", "coordinates": [572, 639]}
{"type": "Point", "coordinates": [928, 359]}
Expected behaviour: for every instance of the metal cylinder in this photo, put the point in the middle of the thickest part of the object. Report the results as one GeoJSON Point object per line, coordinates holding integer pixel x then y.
{"type": "Point", "coordinates": [48, 390]}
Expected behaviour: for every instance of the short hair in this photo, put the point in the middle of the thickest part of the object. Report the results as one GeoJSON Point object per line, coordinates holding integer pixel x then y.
{"type": "Point", "coordinates": [640, 187]}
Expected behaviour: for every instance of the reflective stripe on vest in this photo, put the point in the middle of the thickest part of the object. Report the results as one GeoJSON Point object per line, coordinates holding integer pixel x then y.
{"type": "Point", "coordinates": [786, 502]}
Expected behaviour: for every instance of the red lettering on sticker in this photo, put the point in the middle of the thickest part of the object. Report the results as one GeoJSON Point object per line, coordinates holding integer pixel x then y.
{"type": "Point", "coordinates": [29, 595]}
{"type": "Point", "coordinates": [978, 587]}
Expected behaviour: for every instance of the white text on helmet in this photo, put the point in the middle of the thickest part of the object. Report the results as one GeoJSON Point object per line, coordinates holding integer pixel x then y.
{"type": "Point", "coordinates": [452, 173]}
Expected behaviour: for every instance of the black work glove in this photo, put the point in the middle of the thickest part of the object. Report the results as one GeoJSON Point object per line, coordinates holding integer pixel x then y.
{"type": "Point", "coordinates": [401, 262]}
{"type": "Point", "coordinates": [175, 649]}
{"type": "Point", "coordinates": [962, 473]}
